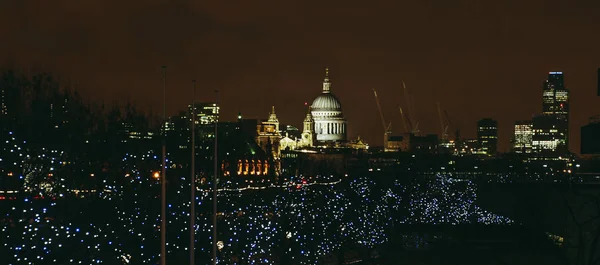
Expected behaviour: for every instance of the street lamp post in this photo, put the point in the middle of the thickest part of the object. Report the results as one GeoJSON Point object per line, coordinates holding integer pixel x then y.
{"type": "Point", "coordinates": [216, 161]}
{"type": "Point", "coordinates": [163, 213]}
{"type": "Point", "coordinates": [193, 178]}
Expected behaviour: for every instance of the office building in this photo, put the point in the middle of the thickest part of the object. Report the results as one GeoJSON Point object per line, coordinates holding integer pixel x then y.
{"type": "Point", "coordinates": [487, 136]}
{"type": "Point", "coordinates": [555, 108]}
{"type": "Point", "coordinates": [206, 113]}
{"type": "Point", "coordinates": [547, 137]}
{"type": "Point", "coordinates": [523, 137]}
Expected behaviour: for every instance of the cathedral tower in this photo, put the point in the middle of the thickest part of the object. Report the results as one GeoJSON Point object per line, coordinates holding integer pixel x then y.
{"type": "Point", "coordinates": [308, 133]}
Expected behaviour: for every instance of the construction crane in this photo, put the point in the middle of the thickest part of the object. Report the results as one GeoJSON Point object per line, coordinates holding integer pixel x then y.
{"type": "Point", "coordinates": [406, 121]}
{"type": "Point", "coordinates": [386, 129]}
{"type": "Point", "coordinates": [444, 127]}
{"type": "Point", "coordinates": [411, 112]}
{"type": "Point", "coordinates": [449, 124]}
{"type": "Point", "coordinates": [457, 142]}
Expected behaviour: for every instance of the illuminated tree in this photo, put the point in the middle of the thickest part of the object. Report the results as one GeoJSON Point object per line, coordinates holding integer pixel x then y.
{"type": "Point", "coordinates": [369, 218]}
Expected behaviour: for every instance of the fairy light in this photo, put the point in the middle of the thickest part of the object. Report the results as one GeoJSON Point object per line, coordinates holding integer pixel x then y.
{"type": "Point", "coordinates": [302, 220]}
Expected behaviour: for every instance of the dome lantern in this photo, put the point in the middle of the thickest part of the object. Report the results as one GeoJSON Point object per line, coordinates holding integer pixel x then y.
{"type": "Point", "coordinates": [326, 83]}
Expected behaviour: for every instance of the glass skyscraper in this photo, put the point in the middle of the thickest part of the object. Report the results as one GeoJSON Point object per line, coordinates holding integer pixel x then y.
{"type": "Point", "coordinates": [556, 97]}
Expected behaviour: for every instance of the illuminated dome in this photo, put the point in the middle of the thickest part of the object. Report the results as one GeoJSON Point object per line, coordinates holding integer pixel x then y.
{"type": "Point", "coordinates": [326, 101]}
{"type": "Point", "coordinates": [326, 110]}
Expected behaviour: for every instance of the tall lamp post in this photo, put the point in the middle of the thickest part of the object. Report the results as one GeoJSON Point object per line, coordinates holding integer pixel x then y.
{"type": "Point", "coordinates": [193, 178]}
{"type": "Point", "coordinates": [216, 161]}
{"type": "Point", "coordinates": [163, 192]}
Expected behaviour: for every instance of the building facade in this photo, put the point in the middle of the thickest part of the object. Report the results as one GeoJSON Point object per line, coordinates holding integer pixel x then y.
{"type": "Point", "coordinates": [487, 136]}
{"type": "Point", "coordinates": [324, 126]}
{"type": "Point", "coordinates": [523, 137]}
{"type": "Point", "coordinates": [548, 138]}
{"type": "Point", "coordinates": [551, 129]}
{"type": "Point", "coordinates": [308, 137]}
{"type": "Point", "coordinates": [269, 135]}
{"type": "Point", "coordinates": [206, 113]}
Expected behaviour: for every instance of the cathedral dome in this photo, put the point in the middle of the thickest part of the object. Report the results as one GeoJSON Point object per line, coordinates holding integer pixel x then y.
{"type": "Point", "coordinates": [328, 119]}
{"type": "Point", "coordinates": [326, 102]}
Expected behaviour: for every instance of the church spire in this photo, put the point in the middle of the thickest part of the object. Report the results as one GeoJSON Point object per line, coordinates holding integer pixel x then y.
{"type": "Point", "coordinates": [326, 83]}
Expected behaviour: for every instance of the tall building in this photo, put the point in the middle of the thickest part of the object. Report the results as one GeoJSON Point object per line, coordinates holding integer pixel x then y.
{"type": "Point", "coordinates": [555, 96]}
{"type": "Point", "coordinates": [590, 137]}
{"type": "Point", "coordinates": [523, 137]}
{"type": "Point", "coordinates": [555, 108]}
{"type": "Point", "coordinates": [206, 113]}
{"type": "Point", "coordinates": [487, 136]}
{"type": "Point", "coordinates": [329, 121]}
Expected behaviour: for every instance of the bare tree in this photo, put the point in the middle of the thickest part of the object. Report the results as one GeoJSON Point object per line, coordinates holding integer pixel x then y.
{"type": "Point", "coordinates": [582, 228]}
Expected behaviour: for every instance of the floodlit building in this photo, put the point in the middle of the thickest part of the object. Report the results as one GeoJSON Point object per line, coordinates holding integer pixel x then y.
{"type": "Point", "coordinates": [268, 134]}
{"type": "Point", "coordinates": [396, 143]}
{"type": "Point", "coordinates": [358, 144]}
{"type": "Point", "coordinates": [308, 137]}
{"type": "Point", "coordinates": [324, 126]}
{"type": "Point", "coordinates": [329, 121]}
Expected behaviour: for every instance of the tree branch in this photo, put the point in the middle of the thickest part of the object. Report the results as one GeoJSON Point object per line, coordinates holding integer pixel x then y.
{"type": "Point", "coordinates": [568, 205]}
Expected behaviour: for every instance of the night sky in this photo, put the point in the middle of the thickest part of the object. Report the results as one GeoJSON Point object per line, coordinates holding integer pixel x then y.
{"type": "Point", "coordinates": [477, 58]}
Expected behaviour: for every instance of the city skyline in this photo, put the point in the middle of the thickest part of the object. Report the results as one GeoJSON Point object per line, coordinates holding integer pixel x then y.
{"type": "Point", "coordinates": [239, 132]}
{"type": "Point", "coordinates": [268, 57]}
